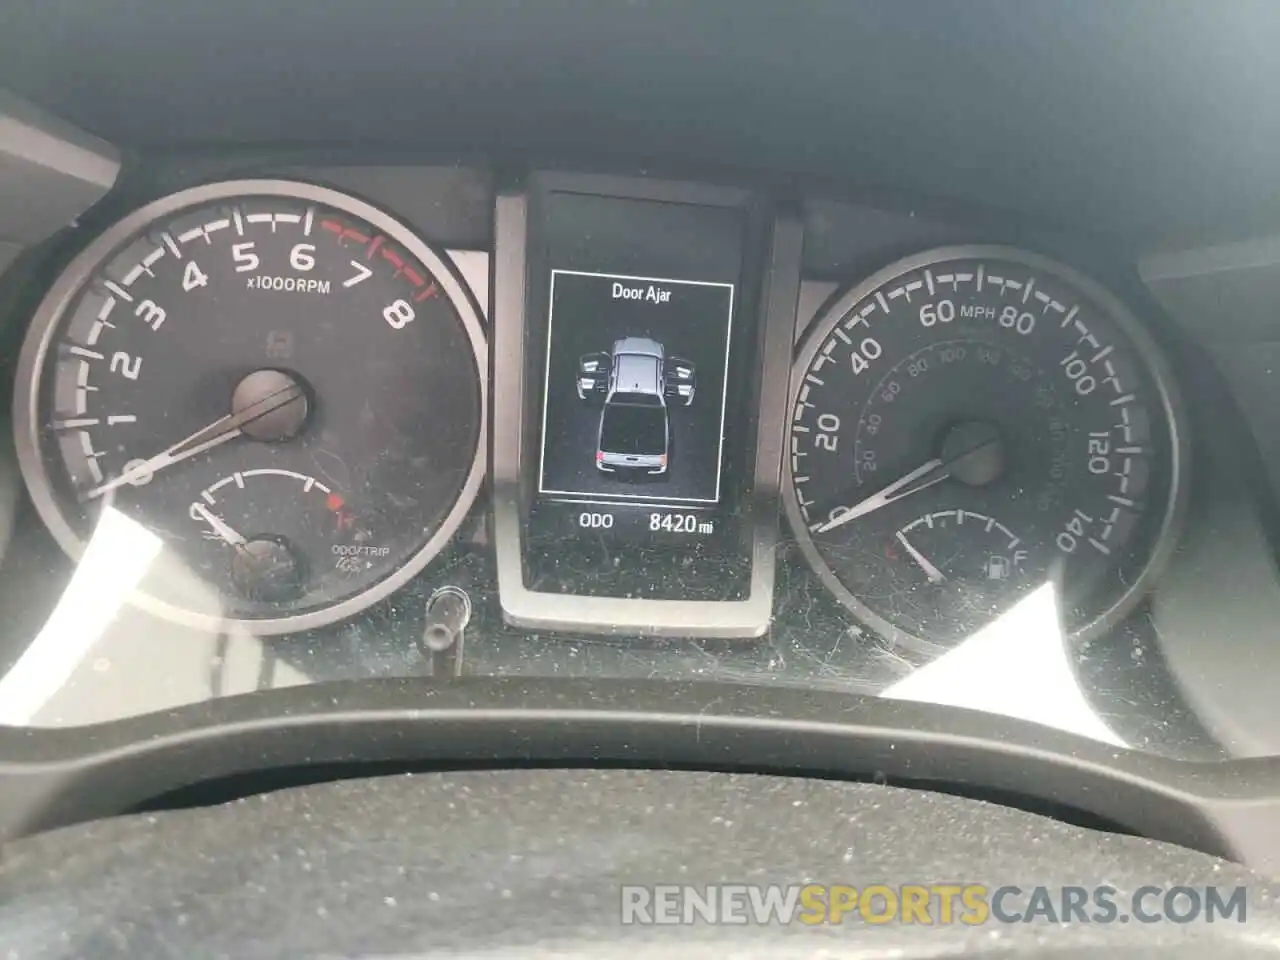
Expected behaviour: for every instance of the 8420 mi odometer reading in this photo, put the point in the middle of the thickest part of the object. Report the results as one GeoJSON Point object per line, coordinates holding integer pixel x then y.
{"type": "Point", "coordinates": [971, 424]}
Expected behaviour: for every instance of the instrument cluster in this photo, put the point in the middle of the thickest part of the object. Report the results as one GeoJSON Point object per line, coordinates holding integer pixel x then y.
{"type": "Point", "coordinates": [278, 393]}
{"type": "Point", "coordinates": [625, 427]}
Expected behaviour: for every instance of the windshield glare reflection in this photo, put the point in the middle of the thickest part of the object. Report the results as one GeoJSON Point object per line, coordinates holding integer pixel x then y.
{"type": "Point", "coordinates": [115, 560]}
{"type": "Point", "coordinates": [85, 663]}
{"type": "Point", "coordinates": [94, 660]}
{"type": "Point", "coordinates": [1016, 666]}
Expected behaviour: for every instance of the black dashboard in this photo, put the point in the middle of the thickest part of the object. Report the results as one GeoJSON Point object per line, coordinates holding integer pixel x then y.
{"type": "Point", "coordinates": [881, 394]}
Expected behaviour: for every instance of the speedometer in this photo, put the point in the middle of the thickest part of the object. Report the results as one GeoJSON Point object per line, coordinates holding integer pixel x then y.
{"type": "Point", "coordinates": [275, 383]}
{"type": "Point", "coordinates": [975, 423]}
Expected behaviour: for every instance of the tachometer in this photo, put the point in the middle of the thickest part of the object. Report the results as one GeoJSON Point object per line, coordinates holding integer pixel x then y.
{"type": "Point", "coordinates": [971, 424]}
{"type": "Point", "coordinates": [278, 381]}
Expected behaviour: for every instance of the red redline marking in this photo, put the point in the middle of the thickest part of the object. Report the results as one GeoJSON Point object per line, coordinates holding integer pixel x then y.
{"type": "Point", "coordinates": [374, 245]}
{"type": "Point", "coordinates": [333, 226]}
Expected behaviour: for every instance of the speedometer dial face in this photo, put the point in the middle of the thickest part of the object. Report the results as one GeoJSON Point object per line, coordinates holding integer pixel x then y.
{"type": "Point", "coordinates": [973, 424]}
{"type": "Point", "coordinates": [278, 381]}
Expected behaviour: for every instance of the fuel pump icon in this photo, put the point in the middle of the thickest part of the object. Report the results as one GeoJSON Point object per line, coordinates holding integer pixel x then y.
{"type": "Point", "coordinates": [1001, 567]}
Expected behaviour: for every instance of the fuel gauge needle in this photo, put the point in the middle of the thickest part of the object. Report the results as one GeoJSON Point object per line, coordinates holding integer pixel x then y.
{"type": "Point", "coordinates": [933, 573]}
{"type": "Point", "coordinates": [219, 526]}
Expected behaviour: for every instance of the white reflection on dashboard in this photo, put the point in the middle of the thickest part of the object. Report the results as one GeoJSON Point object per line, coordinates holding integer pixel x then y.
{"type": "Point", "coordinates": [83, 666]}
{"type": "Point", "coordinates": [1016, 666]}
{"type": "Point", "coordinates": [115, 560]}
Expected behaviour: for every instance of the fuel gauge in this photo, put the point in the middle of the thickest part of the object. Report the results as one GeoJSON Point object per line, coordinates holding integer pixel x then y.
{"type": "Point", "coordinates": [272, 555]}
{"type": "Point", "coordinates": [957, 570]}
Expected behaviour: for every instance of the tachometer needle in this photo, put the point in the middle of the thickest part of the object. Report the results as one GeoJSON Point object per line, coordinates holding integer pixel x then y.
{"type": "Point", "coordinates": [206, 438]}
{"type": "Point", "coordinates": [933, 573]}
{"type": "Point", "coordinates": [220, 526]}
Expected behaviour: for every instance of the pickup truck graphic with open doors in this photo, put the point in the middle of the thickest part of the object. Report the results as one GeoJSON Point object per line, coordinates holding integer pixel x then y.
{"type": "Point", "coordinates": [637, 383]}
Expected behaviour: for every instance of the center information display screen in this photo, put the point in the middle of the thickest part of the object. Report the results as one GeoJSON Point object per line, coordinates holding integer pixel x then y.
{"type": "Point", "coordinates": [645, 393]}
{"type": "Point", "coordinates": [636, 389]}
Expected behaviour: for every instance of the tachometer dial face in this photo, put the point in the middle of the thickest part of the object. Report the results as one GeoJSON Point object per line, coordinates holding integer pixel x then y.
{"type": "Point", "coordinates": [973, 424]}
{"type": "Point", "coordinates": [278, 381]}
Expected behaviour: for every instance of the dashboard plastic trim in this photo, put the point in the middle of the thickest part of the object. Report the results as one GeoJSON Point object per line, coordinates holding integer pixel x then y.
{"type": "Point", "coordinates": [51, 172]}
{"type": "Point", "coordinates": [54, 777]}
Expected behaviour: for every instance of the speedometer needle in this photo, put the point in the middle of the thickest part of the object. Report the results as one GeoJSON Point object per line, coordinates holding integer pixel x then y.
{"type": "Point", "coordinates": [206, 438]}
{"type": "Point", "coordinates": [921, 478]}
{"type": "Point", "coordinates": [974, 460]}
